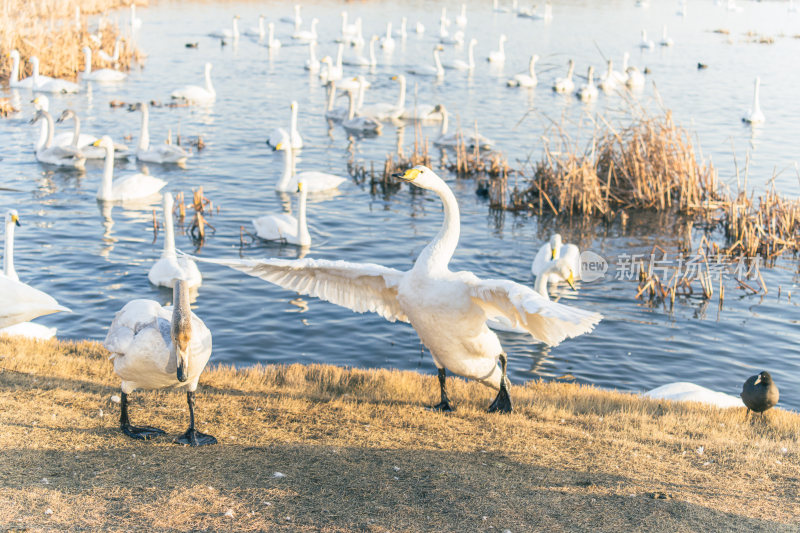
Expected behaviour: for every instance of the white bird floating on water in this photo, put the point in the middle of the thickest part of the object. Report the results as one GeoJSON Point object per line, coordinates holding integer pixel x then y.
{"type": "Point", "coordinates": [312, 180]}
{"type": "Point", "coordinates": [470, 138]}
{"type": "Point", "coordinates": [284, 227]}
{"type": "Point", "coordinates": [307, 36]}
{"type": "Point", "coordinates": [588, 91]}
{"type": "Point", "coordinates": [312, 63]}
{"type": "Point", "coordinates": [272, 42]}
{"type": "Point", "coordinates": [447, 309]}
{"type": "Point", "coordinates": [158, 153]}
{"type": "Point", "coordinates": [527, 79]}
{"type": "Point", "coordinates": [170, 267]}
{"type": "Point", "coordinates": [430, 70]}
{"type": "Point", "coordinates": [386, 110]}
{"type": "Point", "coordinates": [565, 84]}
{"type": "Point", "coordinates": [63, 155]}
{"type": "Point", "coordinates": [754, 115]}
{"type": "Point", "coordinates": [364, 61]}
{"type": "Point", "coordinates": [461, 19]}
{"type": "Point", "coordinates": [28, 330]}
{"type": "Point", "coordinates": [105, 74]}
{"type": "Point", "coordinates": [666, 40]}
{"type": "Point", "coordinates": [297, 20]}
{"type": "Point", "coordinates": [460, 64]}
{"type": "Point", "coordinates": [46, 84]}
{"type": "Point", "coordinates": [258, 31]}
{"type": "Point", "coordinates": [13, 79]}
{"type": "Point", "coordinates": [113, 58]}
{"type": "Point", "coordinates": [499, 56]}
{"type": "Point", "coordinates": [227, 33]}
{"type": "Point", "coordinates": [130, 187]}
{"type": "Point", "coordinates": [645, 42]}
{"type": "Point", "coordinates": [387, 41]}
{"type": "Point", "coordinates": [276, 136]}
{"type": "Point", "coordinates": [360, 124]}
{"type": "Point", "coordinates": [20, 302]}
{"type": "Point", "coordinates": [550, 256]}
{"type": "Point", "coordinates": [154, 347]}
{"type": "Point", "coordinates": [690, 392]}
{"type": "Point", "coordinates": [195, 94]}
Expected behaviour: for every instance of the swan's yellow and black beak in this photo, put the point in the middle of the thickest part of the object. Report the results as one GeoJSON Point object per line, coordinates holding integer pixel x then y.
{"type": "Point", "coordinates": [300, 187]}
{"type": "Point", "coordinates": [571, 281]}
{"type": "Point", "coordinates": [409, 175]}
{"type": "Point", "coordinates": [553, 252]}
{"type": "Point", "coordinates": [279, 146]}
{"type": "Point", "coordinates": [15, 219]}
{"type": "Point", "coordinates": [96, 143]}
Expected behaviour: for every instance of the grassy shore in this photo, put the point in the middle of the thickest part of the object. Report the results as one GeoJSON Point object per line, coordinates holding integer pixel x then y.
{"type": "Point", "coordinates": [360, 453]}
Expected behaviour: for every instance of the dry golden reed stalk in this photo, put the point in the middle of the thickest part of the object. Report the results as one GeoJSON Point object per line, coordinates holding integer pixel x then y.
{"type": "Point", "coordinates": [56, 33]}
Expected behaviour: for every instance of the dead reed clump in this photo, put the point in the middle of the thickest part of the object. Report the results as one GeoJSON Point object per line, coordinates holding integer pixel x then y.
{"type": "Point", "coordinates": [767, 226]}
{"type": "Point", "coordinates": [477, 162]}
{"type": "Point", "coordinates": [203, 208]}
{"type": "Point", "coordinates": [56, 31]}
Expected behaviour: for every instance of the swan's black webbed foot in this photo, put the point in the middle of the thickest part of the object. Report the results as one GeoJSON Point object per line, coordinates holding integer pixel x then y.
{"type": "Point", "coordinates": [192, 437]}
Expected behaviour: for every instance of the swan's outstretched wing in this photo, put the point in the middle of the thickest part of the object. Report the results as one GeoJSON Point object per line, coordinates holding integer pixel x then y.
{"type": "Point", "coordinates": [542, 260]}
{"type": "Point", "coordinates": [547, 321]}
{"type": "Point", "coordinates": [360, 287]}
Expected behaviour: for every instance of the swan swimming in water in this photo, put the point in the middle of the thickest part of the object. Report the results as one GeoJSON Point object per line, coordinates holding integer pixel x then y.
{"type": "Point", "coordinates": [428, 70]}
{"type": "Point", "coordinates": [159, 153]}
{"type": "Point", "coordinates": [284, 227]}
{"type": "Point", "coordinates": [499, 56]}
{"type": "Point", "coordinates": [361, 124]}
{"type": "Point", "coordinates": [469, 64]}
{"type": "Point", "coordinates": [755, 116]}
{"type": "Point", "coordinates": [155, 347]}
{"type": "Point", "coordinates": [227, 33]}
{"type": "Point", "coordinates": [470, 138]}
{"type": "Point", "coordinates": [386, 110]}
{"type": "Point", "coordinates": [547, 263]}
{"type": "Point", "coordinates": [130, 187]}
{"type": "Point", "coordinates": [20, 302]}
{"type": "Point", "coordinates": [63, 155]}
{"type": "Point", "coordinates": [84, 142]}
{"type": "Point", "coordinates": [29, 330]}
{"type": "Point", "coordinates": [447, 309]}
{"type": "Point", "coordinates": [272, 42]}
{"type": "Point", "coordinates": [195, 94]}
{"type": "Point", "coordinates": [588, 92]}
{"type": "Point", "coordinates": [170, 267]}
{"type": "Point", "coordinates": [105, 74]}
{"type": "Point", "coordinates": [312, 180]}
{"type": "Point", "coordinates": [565, 84]}
{"type": "Point", "coordinates": [13, 79]}
{"type": "Point", "coordinates": [50, 85]}
{"type": "Point", "coordinates": [528, 79]}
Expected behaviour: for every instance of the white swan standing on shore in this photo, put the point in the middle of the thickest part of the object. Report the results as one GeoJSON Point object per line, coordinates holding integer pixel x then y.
{"type": "Point", "coordinates": [159, 153]}
{"type": "Point", "coordinates": [170, 267]}
{"type": "Point", "coordinates": [105, 74]}
{"type": "Point", "coordinates": [754, 115]}
{"type": "Point", "coordinates": [284, 227]}
{"type": "Point", "coordinates": [447, 309]}
{"type": "Point", "coordinates": [20, 302]}
{"type": "Point", "coordinates": [313, 181]}
{"type": "Point", "coordinates": [195, 94]}
{"type": "Point", "coordinates": [155, 347]}
{"type": "Point", "coordinates": [130, 187]}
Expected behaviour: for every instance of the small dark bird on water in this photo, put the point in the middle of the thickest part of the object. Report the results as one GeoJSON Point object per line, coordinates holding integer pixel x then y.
{"type": "Point", "coordinates": [759, 392]}
{"type": "Point", "coordinates": [192, 45]}
{"type": "Point", "coordinates": [701, 66]}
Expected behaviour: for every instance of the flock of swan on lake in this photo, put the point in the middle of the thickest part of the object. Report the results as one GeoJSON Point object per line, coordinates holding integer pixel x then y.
{"type": "Point", "coordinates": [154, 346]}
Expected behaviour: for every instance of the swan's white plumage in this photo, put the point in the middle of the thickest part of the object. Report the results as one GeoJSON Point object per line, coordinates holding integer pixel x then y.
{"type": "Point", "coordinates": [20, 302]}
{"type": "Point", "coordinates": [195, 94]}
{"type": "Point", "coordinates": [285, 227]}
{"type": "Point", "coordinates": [29, 330]}
{"type": "Point", "coordinates": [104, 74]}
{"type": "Point", "coordinates": [554, 250]}
{"type": "Point", "coordinates": [129, 187]}
{"type": "Point", "coordinates": [140, 345]}
{"type": "Point", "coordinates": [691, 392]}
{"type": "Point", "coordinates": [157, 153]}
{"type": "Point", "coordinates": [313, 181]}
{"type": "Point", "coordinates": [447, 309]}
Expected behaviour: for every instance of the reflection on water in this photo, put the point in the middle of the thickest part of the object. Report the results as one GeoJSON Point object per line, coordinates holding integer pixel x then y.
{"type": "Point", "coordinates": [98, 267]}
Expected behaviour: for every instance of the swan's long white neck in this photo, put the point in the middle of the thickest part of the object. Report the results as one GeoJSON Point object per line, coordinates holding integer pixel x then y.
{"type": "Point", "coordinates": [14, 78]}
{"type": "Point", "coordinates": [108, 174]}
{"type": "Point", "coordinates": [542, 281]}
{"type": "Point", "coordinates": [235, 28]}
{"type": "Point", "coordinates": [439, 251]}
{"type": "Point", "coordinates": [35, 66]}
{"type": "Point", "coordinates": [76, 129]}
{"type": "Point", "coordinates": [144, 134]}
{"type": "Point", "coordinates": [50, 126]}
{"type": "Point", "coordinates": [331, 95]}
{"type": "Point", "coordinates": [532, 67]}
{"type": "Point", "coordinates": [303, 237]}
{"type": "Point", "coordinates": [288, 154]}
{"type": "Point", "coordinates": [502, 48]}
{"type": "Point", "coordinates": [8, 252]}
{"type": "Point", "coordinates": [261, 32]}
{"type": "Point", "coordinates": [312, 54]}
{"type": "Point", "coordinates": [756, 104]}
{"type": "Point", "coordinates": [87, 61]}
{"type": "Point", "coordinates": [339, 57]}
{"type": "Point", "coordinates": [388, 31]}
{"type": "Point", "coordinates": [401, 99]}
{"type": "Point", "coordinates": [437, 62]}
{"type": "Point", "coordinates": [351, 109]}
{"type": "Point", "coordinates": [169, 230]}
{"type": "Point", "coordinates": [271, 36]}
{"type": "Point", "coordinates": [571, 70]}
{"type": "Point", "coordinates": [209, 87]}
{"type": "Point", "coordinates": [444, 121]}
{"type": "Point", "coordinates": [293, 124]}
{"type": "Point", "coordinates": [625, 58]}
{"type": "Point", "coordinates": [403, 23]}
{"type": "Point", "coordinates": [372, 60]}
{"type": "Point", "coordinates": [471, 54]}
{"type": "Point", "coordinates": [43, 132]}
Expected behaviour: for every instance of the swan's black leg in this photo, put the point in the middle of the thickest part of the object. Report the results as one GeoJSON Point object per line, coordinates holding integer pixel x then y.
{"type": "Point", "coordinates": [192, 437]}
{"type": "Point", "coordinates": [143, 433]}
{"type": "Point", "coordinates": [444, 405]}
{"type": "Point", "coordinates": [502, 402]}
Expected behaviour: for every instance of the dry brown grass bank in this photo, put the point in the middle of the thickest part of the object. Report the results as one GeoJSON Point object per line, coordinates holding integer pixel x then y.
{"type": "Point", "coordinates": [360, 453]}
{"type": "Point", "coordinates": [48, 29]}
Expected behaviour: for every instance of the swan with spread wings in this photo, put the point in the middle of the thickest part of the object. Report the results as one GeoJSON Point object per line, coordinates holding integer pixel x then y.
{"type": "Point", "coordinates": [448, 309]}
